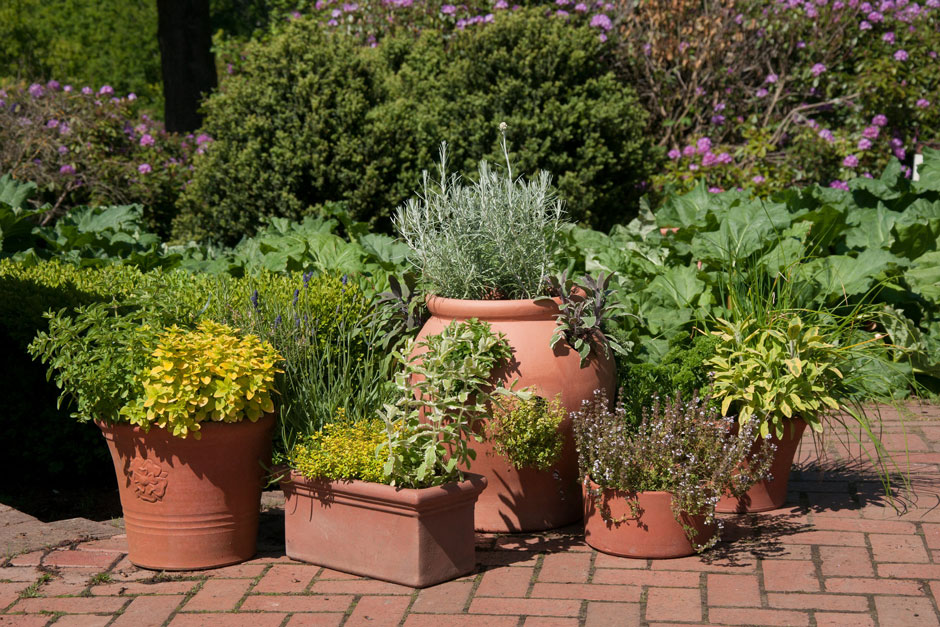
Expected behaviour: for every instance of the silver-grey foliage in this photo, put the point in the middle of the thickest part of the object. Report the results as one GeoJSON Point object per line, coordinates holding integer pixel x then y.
{"type": "Point", "coordinates": [492, 239]}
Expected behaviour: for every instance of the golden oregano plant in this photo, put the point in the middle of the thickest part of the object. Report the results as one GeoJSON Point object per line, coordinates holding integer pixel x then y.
{"type": "Point", "coordinates": [776, 372]}
{"type": "Point", "coordinates": [211, 373]}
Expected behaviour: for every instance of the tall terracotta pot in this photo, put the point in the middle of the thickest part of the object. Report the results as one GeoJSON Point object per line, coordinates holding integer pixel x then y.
{"type": "Point", "coordinates": [529, 499]}
{"type": "Point", "coordinates": [767, 495]}
{"type": "Point", "coordinates": [414, 537]}
{"type": "Point", "coordinates": [645, 529]}
{"type": "Point", "coordinates": [191, 504]}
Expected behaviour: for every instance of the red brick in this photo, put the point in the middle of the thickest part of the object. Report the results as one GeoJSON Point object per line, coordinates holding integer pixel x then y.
{"type": "Point", "coordinates": [603, 560]}
{"type": "Point", "coordinates": [790, 576]}
{"type": "Point", "coordinates": [61, 588]}
{"type": "Point", "coordinates": [846, 561]}
{"type": "Point", "coordinates": [359, 586]}
{"type": "Point", "coordinates": [549, 621]}
{"type": "Point", "coordinates": [932, 535]}
{"type": "Point", "coordinates": [33, 558]}
{"type": "Point", "coordinates": [840, 523]}
{"type": "Point", "coordinates": [742, 564]}
{"type": "Point", "coordinates": [148, 611]}
{"type": "Point", "coordinates": [81, 620]}
{"type": "Point", "coordinates": [793, 552]}
{"type": "Point", "coordinates": [895, 548]}
{"type": "Point", "coordinates": [133, 588]}
{"type": "Point", "coordinates": [83, 559]}
{"type": "Point", "coordinates": [733, 590]}
{"type": "Point", "coordinates": [297, 603]}
{"type": "Point", "coordinates": [935, 589]}
{"type": "Point", "coordinates": [751, 616]}
{"type": "Point", "coordinates": [20, 573]}
{"type": "Point", "coordinates": [540, 543]}
{"type": "Point", "coordinates": [612, 615]}
{"type": "Point", "coordinates": [115, 544]}
{"type": "Point", "coordinates": [10, 592]}
{"type": "Point", "coordinates": [565, 568]}
{"type": "Point", "coordinates": [238, 571]}
{"type": "Point", "coordinates": [507, 558]}
{"type": "Point", "coordinates": [71, 605]}
{"type": "Point", "coordinates": [227, 620]}
{"type": "Point", "coordinates": [446, 598]}
{"type": "Point", "coordinates": [663, 579]}
{"type": "Point", "coordinates": [378, 611]}
{"type": "Point", "coordinates": [909, 571]}
{"type": "Point", "coordinates": [505, 582]}
{"type": "Point", "coordinates": [907, 612]}
{"type": "Point", "coordinates": [286, 578]}
{"type": "Point", "coordinates": [830, 619]}
{"type": "Point", "coordinates": [525, 607]}
{"type": "Point", "coordinates": [586, 591]}
{"type": "Point", "coordinates": [673, 604]}
{"type": "Point", "coordinates": [867, 585]}
{"type": "Point", "coordinates": [327, 573]}
{"type": "Point", "coordinates": [432, 620]}
{"type": "Point", "coordinates": [316, 620]}
{"type": "Point", "coordinates": [837, 602]}
{"type": "Point", "coordinates": [218, 595]}
{"type": "Point", "coordinates": [835, 538]}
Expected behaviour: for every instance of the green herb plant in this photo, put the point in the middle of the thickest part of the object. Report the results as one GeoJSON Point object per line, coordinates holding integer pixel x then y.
{"type": "Point", "coordinates": [493, 239]}
{"type": "Point", "coordinates": [525, 431]}
{"type": "Point", "coordinates": [211, 373]}
{"type": "Point", "coordinates": [684, 447]}
{"type": "Point", "coordinates": [341, 450]}
{"type": "Point", "coordinates": [443, 388]}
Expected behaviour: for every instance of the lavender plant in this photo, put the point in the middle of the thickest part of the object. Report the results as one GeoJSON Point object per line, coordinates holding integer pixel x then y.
{"type": "Point", "coordinates": [684, 447]}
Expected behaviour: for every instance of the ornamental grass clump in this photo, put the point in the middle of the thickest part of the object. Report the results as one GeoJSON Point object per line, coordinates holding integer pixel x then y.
{"type": "Point", "coordinates": [493, 239]}
{"type": "Point", "coordinates": [684, 447]}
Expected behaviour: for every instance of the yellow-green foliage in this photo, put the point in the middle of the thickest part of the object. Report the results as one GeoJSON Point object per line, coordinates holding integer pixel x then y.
{"type": "Point", "coordinates": [525, 431]}
{"type": "Point", "coordinates": [210, 373]}
{"type": "Point", "coordinates": [342, 450]}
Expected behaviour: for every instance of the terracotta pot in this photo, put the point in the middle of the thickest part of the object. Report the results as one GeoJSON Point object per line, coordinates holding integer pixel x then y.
{"type": "Point", "coordinates": [648, 531]}
{"type": "Point", "coordinates": [769, 495]}
{"type": "Point", "coordinates": [191, 504]}
{"type": "Point", "coordinates": [412, 537]}
{"type": "Point", "coordinates": [528, 499]}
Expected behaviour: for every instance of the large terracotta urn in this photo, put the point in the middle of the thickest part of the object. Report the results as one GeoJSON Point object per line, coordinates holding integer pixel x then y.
{"type": "Point", "coordinates": [528, 499]}
{"type": "Point", "coordinates": [191, 504]}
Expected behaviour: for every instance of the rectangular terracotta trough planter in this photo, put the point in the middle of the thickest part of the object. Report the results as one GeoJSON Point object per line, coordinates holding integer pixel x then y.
{"type": "Point", "coordinates": [417, 538]}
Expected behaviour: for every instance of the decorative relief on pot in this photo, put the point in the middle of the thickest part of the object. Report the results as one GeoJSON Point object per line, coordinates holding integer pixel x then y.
{"type": "Point", "coordinates": [149, 480]}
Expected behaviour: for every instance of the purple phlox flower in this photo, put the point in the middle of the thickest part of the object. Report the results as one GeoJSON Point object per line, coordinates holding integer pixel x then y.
{"type": "Point", "coordinates": [53, 123]}
{"type": "Point", "coordinates": [850, 161]}
{"type": "Point", "coordinates": [739, 18]}
{"type": "Point", "coordinates": [132, 96]}
{"type": "Point", "coordinates": [837, 184]}
{"type": "Point", "coordinates": [871, 132]}
{"type": "Point", "coordinates": [62, 150]}
{"type": "Point", "coordinates": [67, 169]}
{"type": "Point", "coordinates": [827, 135]}
{"type": "Point", "coordinates": [97, 103]}
{"type": "Point", "coordinates": [933, 4]}
{"type": "Point", "coordinates": [922, 103]}
{"type": "Point", "coordinates": [900, 55]}
{"type": "Point", "coordinates": [761, 92]}
{"type": "Point", "coordinates": [838, 5]}
{"type": "Point", "coordinates": [144, 168]}
{"type": "Point", "coordinates": [895, 142]}
{"type": "Point", "coordinates": [683, 46]}
{"type": "Point", "coordinates": [817, 69]}
{"type": "Point", "coordinates": [106, 90]}
{"type": "Point", "coordinates": [718, 119]}
{"type": "Point", "coordinates": [906, 171]}
{"type": "Point", "coordinates": [709, 159]}
{"type": "Point", "coordinates": [335, 13]}
{"type": "Point", "coordinates": [879, 120]}
{"type": "Point", "coordinates": [147, 140]}
{"type": "Point", "coordinates": [489, 18]}
{"type": "Point", "coordinates": [87, 90]}
{"type": "Point", "coordinates": [719, 106]}
{"type": "Point", "coordinates": [864, 143]}
{"type": "Point", "coordinates": [581, 7]}
{"type": "Point", "coordinates": [875, 17]}
{"type": "Point", "coordinates": [53, 85]}
{"type": "Point", "coordinates": [703, 145]}
{"type": "Point", "coordinates": [724, 158]}
{"type": "Point", "coordinates": [693, 167]}
{"type": "Point", "coordinates": [810, 11]}
{"type": "Point", "coordinates": [647, 48]}
{"type": "Point", "coordinates": [758, 179]}
{"type": "Point", "coordinates": [863, 25]}
{"type": "Point", "coordinates": [562, 3]}
{"type": "Point", "coordinates": [67, 89]}
{"type": "Point", "coordinates": [771, 78]}
{"type": "Point", "coordinates": [203, 138]}
{"type": "Point", "coordinates": [319, 5]}
{"type": "Point", "coordinates": [699, 91]}
{"type": "Point", "coordinates": [64, 128]}
{"type": "Point", "coordinates": [674, 154]}
{"type": "Point", "coordinates": [35, 90]}
{"type": "Point", "coordinates": [332, 22]}
{"type": "Point", "coordinates": [715, 190]}
{"type": "Point", "coordinates": [562, 13]}
{"type": "Point", "coordinates": [461, 23]}
{"type": "Point", "coordinates": [350, 7]}
{"type": "Point", "coordinates": [933, 53]}
{"type": "Point", "coordinates": [448, 9]}
{"type": "Point", "coordinates": [500, 5]}
{"type": "Point", "coordinates": [888, 37]}
{"type": "Point", "coordinates": [867, 175]}
{"type": "Point", "coordinates": [688, 151]}
{"type": "Point", "coordinates": [801, 44]}
{"type": "Point", "coordinates": [865, 7]}
{"type": "Point", "coordinates": [602, 22]}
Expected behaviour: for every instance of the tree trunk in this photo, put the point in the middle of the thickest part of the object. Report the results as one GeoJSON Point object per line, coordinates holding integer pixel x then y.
{"type": "Point", "coordinates": [185, 37]}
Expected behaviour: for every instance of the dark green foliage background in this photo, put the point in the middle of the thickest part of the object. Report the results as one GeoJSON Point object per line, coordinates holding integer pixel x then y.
{"type": "Point", "coordinates": [312, 118]}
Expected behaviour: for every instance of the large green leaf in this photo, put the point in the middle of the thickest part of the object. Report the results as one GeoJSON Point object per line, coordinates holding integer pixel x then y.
{"type": "Point", "coordinates": [841, 276]}
{"type": "Point", "coordinates": [745, 230]}
{"type": "Point", "coordinates": [924, 276]}
{"type": "Point", "coordinates": [870, 227]}
{"type": "Point", "coordinates": [929, 172]}
{"type": "Point", "coordinates": [917, 230]}
{"type": "Point", "coordinates": [686, 211]}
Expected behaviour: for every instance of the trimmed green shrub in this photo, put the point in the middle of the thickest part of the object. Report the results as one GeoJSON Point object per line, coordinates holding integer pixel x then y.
{"type": "Point", "coordinates": [312, 117]}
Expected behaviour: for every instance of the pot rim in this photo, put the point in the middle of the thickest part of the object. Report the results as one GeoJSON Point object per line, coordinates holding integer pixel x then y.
{"type": "Point", "coordinates": [526, 308]}
{"type": "Point", "coordinates": [161, 431]}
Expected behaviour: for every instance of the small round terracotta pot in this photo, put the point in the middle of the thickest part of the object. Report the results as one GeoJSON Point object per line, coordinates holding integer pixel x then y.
{"type": "Point", "coordinates": [765, 495]}
{"type": "Point", "coordinates": [528, 499]}
{"type": "Point", "coordinates": [191, 504]}
{"type": "Point", "coordinates": [645, 529]}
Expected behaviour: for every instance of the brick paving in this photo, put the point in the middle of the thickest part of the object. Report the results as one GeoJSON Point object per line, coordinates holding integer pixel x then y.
{"type": "Point", "coordinates": [840, 553]}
